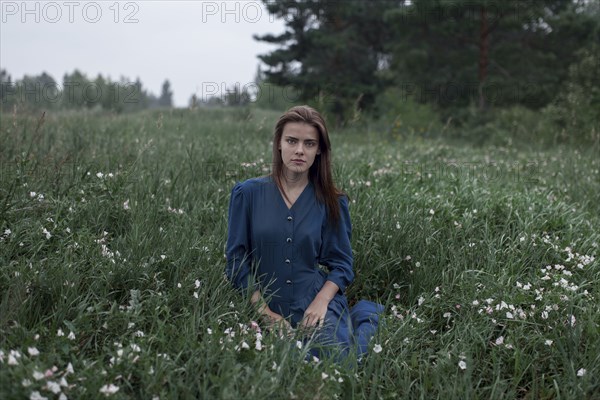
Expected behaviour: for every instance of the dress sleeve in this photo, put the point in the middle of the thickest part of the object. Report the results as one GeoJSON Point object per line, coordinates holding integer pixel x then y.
{"type": "Point", "coordinates": [239, 260]}
{"type": "Point", "coordinates": [336, 251]}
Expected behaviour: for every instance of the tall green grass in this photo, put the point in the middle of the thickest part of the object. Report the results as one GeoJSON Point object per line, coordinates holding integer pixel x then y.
{"type": "Point", "coordinates": [112, 259]}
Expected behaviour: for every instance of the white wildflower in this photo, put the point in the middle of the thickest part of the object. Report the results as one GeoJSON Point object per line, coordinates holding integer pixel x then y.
{"type": "Point", "coordinates": [12, 360]}
{"type": "Point", "coordinates": [109, 389]}
{"type": "Point", "coordinates": [33, 351]}
{"type": "Point", "coordinates": [462, 364]}
{"type": "Point", "coordinates": [37, 396]}
{"type": "Point", "coordinates": [581, 372]}
{"type": "Point", "coordinates": [54, 387]}
{"type": "Point", "coordinates": [37, 375]}
{"type": "Point", "coordinates": [377, 348]}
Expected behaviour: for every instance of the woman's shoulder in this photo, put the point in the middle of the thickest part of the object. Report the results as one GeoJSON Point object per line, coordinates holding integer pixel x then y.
{"type": "Point", "coordinates": [250, 185]}
{"type": "Point", "coordinates": [343, 199]}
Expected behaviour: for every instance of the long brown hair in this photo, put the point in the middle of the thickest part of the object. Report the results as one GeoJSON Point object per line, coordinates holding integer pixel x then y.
{"type": "Point", "coordinates": [320, 171]}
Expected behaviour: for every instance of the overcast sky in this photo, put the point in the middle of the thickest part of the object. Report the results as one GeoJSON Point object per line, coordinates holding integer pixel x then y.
{"type": "Point", "coordinates": [197, 45]}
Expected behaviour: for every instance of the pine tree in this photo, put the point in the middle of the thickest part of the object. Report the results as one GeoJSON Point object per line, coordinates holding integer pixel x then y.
{"type": "Point", "coordinates": [166, 95]}
{"type": "Point", "coordinates": [486, 52]}
{"type": "Point", "coordinates": [329, 53]}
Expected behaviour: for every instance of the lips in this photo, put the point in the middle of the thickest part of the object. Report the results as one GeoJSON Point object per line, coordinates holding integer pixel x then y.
{"type": "Point", "coordinates": [298, 161]}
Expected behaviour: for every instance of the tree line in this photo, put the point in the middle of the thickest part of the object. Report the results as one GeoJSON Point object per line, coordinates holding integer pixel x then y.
{"type": "Point", "coordinates": [451, 55]}
{"type": "Point", "coordinates": [77, 92]}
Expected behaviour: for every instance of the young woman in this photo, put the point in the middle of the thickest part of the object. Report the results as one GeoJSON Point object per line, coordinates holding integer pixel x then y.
{"type": "Point", "coordinates": [284, 226]}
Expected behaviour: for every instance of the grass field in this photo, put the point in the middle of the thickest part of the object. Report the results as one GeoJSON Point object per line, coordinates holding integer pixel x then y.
{"type": "Point", "coordinates": [112, 264]}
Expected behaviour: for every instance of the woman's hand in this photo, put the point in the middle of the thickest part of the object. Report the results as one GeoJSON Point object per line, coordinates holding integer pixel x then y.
{"type": "Point", "coordinates": [273, 320]}
{"type": "Point", "coordinates": [276, 322]}
{"type": "Point", "coordinates": [316, 311]}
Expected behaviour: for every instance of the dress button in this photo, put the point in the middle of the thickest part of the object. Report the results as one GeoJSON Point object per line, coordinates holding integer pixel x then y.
{"type": "Point", "coordinates": [289, 217]}
{"type": "Point", "coordinates": [288, 282]}
{"type": "Point", "coordinates": [287, 260]}
{"type": "Point", "coordinates": [289, 240]}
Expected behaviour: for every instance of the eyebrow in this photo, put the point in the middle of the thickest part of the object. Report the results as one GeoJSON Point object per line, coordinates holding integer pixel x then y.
{"type": "Point", "coordinates": [295, 138]}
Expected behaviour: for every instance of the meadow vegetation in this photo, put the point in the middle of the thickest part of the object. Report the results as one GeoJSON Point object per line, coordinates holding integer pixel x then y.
{"type": "Point", "coordinates": [112, 261]}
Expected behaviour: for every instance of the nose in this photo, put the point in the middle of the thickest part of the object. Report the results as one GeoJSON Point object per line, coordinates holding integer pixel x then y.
{"type": "Point", "coordinates": [300, 149]}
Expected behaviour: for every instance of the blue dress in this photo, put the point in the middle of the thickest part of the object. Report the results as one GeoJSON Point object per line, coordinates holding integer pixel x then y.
{"type": "Point", "coordinates": [279, 251]}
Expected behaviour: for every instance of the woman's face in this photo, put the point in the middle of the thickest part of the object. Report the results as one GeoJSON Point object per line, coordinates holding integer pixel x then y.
{"type": "Point", "coordinates": [299, 145]}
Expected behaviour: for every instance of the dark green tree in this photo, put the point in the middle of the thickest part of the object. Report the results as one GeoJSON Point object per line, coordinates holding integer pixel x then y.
{"type": "Point", "coordinates": [329, 53]}
{"type": "Point", "coordinates": [76, 93]}
{"type": "Point", "coordinates": [237, 96]}
{"type": "Point", "coordinates": [166, 95]}
{"type": "Point", "coordinates": [485, 52]}
{"type": "Point", "coordinates": [7, 91]}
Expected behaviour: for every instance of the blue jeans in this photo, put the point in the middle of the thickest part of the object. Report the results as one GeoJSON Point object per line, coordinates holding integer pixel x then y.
{"type": "Point", "coordinates": [345, 331]}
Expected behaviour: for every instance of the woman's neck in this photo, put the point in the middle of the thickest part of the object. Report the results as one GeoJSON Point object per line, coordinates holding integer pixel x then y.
{"type": "Point", "coordinates": [292, 181]}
